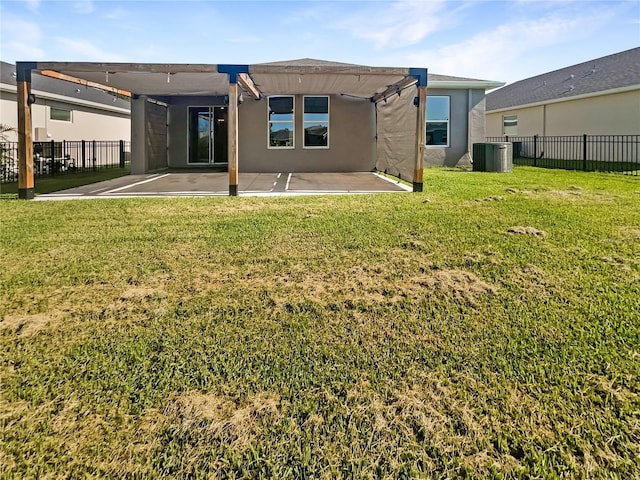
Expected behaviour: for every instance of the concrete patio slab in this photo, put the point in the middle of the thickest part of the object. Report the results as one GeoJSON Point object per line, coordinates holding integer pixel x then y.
{"type": "Point", "coordinates": [202, 184]}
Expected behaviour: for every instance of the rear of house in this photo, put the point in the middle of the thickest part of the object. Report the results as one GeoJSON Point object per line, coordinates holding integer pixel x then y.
{"type": "Point", "coordinates": [296, 116]}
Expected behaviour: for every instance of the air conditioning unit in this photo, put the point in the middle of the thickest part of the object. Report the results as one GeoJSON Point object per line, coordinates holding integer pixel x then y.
{"type": "Point", "coordinates": [493, 157]}
{"type": "Point", "coordinates": [41, 135]}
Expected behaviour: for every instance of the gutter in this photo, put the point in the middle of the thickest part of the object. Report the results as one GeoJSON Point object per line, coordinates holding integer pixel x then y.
{"type": "Point", "coordinates": [462, 84]}
{"type": "Point", "coordinates": [566, 99]}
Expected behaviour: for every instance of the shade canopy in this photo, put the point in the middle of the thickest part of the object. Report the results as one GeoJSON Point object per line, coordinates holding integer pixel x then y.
{"type": "Point", "coordinates": [306, 76]}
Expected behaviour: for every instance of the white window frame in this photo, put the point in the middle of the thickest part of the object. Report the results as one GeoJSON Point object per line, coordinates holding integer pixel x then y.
{"type": "Point", "coordinates": [51, 109]}
{"type": "Point", "coordinates": [304, 122]}
{"type": "Point", "coordinates": [448, 145]}
{"type": "Point", "coordinates": [514, 127]}
{"type": "Point", "coordinates": [293, 121]}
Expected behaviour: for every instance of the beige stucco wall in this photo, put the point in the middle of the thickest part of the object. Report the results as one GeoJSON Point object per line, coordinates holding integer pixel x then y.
{"type": "Point", "coordinates": [86, 123]}
{"type": "Point", "coordinates": [352, 133]}
{"type": "Point", "coordinates": [615, 114]}
{"type": "Point", "coordinates": [530, 121]}
{"type": "Point", "coordinates": [351, 137]}
{"type": "Point", "coordinates": [612, 114]}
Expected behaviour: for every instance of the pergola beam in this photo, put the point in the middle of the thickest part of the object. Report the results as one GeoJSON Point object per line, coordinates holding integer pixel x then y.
{"type": "Point", "coordinates": [396, 88]}
{"type": "Point", "coordinates": [128, 67]}
{"type": "Point", "coordinates": [86, 83]}
{"type": "Point", "coordinates": [246, 82]}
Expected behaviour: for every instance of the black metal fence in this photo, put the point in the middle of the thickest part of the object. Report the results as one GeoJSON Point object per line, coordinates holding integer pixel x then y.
{"type": "Point", "coordinates": [603, 153]}
{"type": "Point", "coordinates": [66, 157]}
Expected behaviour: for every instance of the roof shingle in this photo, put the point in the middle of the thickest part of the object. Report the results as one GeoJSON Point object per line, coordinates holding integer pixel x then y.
{"type": "Point", "coordinates": [606, 73]}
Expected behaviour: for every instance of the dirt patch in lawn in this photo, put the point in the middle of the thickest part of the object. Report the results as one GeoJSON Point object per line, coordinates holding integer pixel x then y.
{"type": "Point", "coordinates": [207, 418]}
{"type": "Point", "coordinates": [403, 278]}
{"type": "Point", "coordinates": [519, 230]}
{"type": "Point", "coordinates": [631, 234]}
{"type": "Point", "coordinates": [27, 325]}
{"type": "Point", "coordinates": [459, 284]}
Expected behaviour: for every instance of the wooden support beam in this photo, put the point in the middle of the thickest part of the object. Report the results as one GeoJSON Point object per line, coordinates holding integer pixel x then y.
{"type": "Point", "coordinates": [326, 69]}
{"type": "Point", "coordinates": [86, 83]}
{"type": "Point", "coordinates": [421, 138]}
{"type": "Point", "coordinates": [26, 189]}
{"type": "Point", "coordinates": [394, 89]}
{"type": "Point", "coordinates": [232, 131]}
{"type": "Point", "coordinates": [81, 67]}
{"type": "Point", "coordinates": [246, 82]}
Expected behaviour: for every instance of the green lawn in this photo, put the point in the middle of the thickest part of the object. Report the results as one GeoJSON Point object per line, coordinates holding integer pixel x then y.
{"type": "Point", "coordinates": [364, 336]}
{"type": "Point", "coordinates": [630, 168]}
{"type": "Point", "coordinates": [64, 181]}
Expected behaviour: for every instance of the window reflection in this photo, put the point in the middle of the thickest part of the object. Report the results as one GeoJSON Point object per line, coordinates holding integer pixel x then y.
{"type": "Point", "coordinates": [281, 122]}
{"type": "Point", "coordinates": [316, 121]}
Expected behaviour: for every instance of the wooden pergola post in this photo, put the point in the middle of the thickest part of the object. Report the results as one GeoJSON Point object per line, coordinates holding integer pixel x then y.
{"type": "Point", "coordinates": [26, 189]}
{"type": "Point", "coordinates": [421, 138]}
{"type": "Point", "coordinates": [237, 74]}
{"type": "Point", "coordinates": [232, 131]}
{"type": "Point", "coordinates": [421, 75]}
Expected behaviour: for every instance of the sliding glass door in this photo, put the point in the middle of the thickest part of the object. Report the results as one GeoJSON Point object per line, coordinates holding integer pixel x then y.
{"type": "Point", "coordinates": [207, 135]}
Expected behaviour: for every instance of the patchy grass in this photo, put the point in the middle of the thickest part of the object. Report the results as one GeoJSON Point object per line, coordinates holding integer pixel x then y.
{"type": "Point", "coordinates": [65, 180]}
{"type": "Point", "coordinates": [367, 336]}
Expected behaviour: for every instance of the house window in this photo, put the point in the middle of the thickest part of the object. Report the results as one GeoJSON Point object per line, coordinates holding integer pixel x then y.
{"type": "Point", "coordinates": [510, 124]}
{"type": "Point", "coordinates": [60, 114]}
{"type": "Point", "coordinates": [281, 122]}
{"type": "Point", "coordinates": [316, 122]}
{"type": "Point", "coordinates": [438, 121]}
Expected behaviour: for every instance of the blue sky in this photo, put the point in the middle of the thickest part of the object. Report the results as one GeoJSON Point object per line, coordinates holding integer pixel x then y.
{"type": "Point", "coordinates": [491, 40]}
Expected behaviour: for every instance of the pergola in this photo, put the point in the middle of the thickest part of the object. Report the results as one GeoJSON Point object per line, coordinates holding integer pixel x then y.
{"type": "Point", "coordinates": [162, 80]}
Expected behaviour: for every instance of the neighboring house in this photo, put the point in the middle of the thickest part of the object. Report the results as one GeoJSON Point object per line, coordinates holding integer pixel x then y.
{"type": "Point", "coordinates": [64, 110]}
{"type": "Point", "coordinates": [295, 116]}
{"type": "Point", "coordinates": [598, 97]}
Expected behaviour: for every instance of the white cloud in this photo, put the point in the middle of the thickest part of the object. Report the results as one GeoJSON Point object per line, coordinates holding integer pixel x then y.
{"type": "Point", "coordinates": [117, 14]}
{"type": "Point", "coordinates": [33, 5]}
{"type": "Point", "coordinates": [399, 24]}
{"type": "Point", "coordinates": [83, 6]}
{"type": "Point", "coordinates": [493, 54]}
{"type": "Point", "coordinates": [20, 40]}
{"type": "Point", "coordinates": [83, 50]}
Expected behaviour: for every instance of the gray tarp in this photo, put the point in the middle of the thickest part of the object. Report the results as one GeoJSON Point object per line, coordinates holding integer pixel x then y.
{"type": "Point", "coordinates": [396, 132]}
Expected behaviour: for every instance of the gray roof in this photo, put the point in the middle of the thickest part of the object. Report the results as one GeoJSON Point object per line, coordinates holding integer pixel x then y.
{"type": "Point", "coordinates": [615, 71]}
{"type": "Point", "coordinates": [436, 77]}
{"type": "Point", "coordinates": [61, 87]}
{"type": "Point", "coordinates": [309, 62]}
{"type": "Point", "coordinates": [313, 62]}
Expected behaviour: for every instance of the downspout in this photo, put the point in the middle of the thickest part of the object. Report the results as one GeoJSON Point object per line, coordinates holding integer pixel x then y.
{"type": "Point", "coordinates": [469, 148]}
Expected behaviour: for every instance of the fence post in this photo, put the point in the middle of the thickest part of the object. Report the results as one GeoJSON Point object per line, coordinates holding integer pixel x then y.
{"type": "Point", "coordinates": [52, 164]}
{"type": "Point", "coordinates": [584, 152]}
{"type": "Point", "coordinates": [93, 147]}
{"type": "Point", "coordinates": [121, 153]}
{"type": "Point", "coordinates": [84, 154]}
{"type": "Point", "coordinates": [535, 150]}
